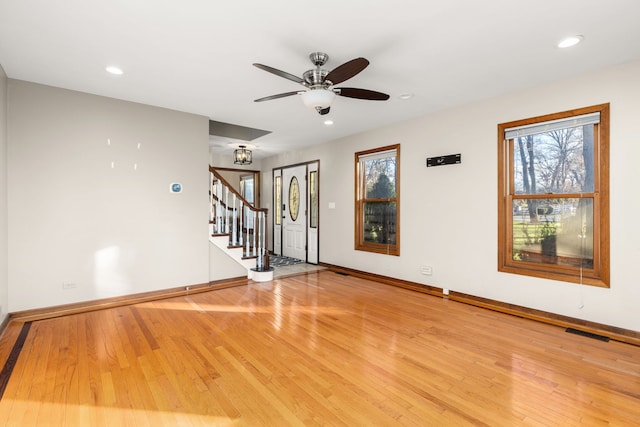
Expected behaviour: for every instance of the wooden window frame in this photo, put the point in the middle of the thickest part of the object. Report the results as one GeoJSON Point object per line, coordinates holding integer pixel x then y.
{"type": "Point", "coordinates": [360, 200]}
{"type": "Point", "coordinates": [599, 275]}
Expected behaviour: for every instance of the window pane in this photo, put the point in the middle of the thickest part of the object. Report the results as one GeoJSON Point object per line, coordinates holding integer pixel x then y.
{"type": "Point", "coordinates": [553, 231]}
{"type": "Point", "coordinates": [278, 202]}
{"type": "Point", "coordinates": [246, 188]}
{"type": "Point", "coordinates": [313, 198]}
{"type": "Point", "coordinates": [380, 177]}
{"type": "Point", "coordinates": [380, 222]}
{"type": "Point", "coordinates": [377, 225]}
{"type": "Point", "coordinates": [560, 161]}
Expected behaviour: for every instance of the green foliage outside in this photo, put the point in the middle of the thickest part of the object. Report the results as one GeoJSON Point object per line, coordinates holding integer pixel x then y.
{"type": "Point", "coordinates": [527, 233]}
{"type": "Point", "coordinates": [380, 216]}
{"type": "Point", "coordinates": [382, 189]}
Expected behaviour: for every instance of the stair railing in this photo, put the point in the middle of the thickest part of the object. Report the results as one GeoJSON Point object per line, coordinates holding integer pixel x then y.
{"type": "Point", "coordinates": [232, 215]}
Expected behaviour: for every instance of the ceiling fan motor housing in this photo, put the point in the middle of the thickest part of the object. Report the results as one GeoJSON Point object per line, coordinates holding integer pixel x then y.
{"type": "Point", "coordinates": [315, 77]}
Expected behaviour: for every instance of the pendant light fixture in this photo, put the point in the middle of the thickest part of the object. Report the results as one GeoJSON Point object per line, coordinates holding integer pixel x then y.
{"type": "Point", "coordinates": [242, 156]}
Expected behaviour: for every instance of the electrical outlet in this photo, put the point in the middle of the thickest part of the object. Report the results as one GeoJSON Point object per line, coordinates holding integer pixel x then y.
{"type": "Point", "coordinates": [68, 285]}
{"type": "Point", "coordinates": [426, 270]}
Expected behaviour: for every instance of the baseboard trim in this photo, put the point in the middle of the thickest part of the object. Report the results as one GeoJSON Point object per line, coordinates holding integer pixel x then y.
{"type": "Point", "coordinates": [614, 333]}
{"type": "Point", "coordinates": [101, 304]}
{"type": "Point", "coordinates": [425, 289]}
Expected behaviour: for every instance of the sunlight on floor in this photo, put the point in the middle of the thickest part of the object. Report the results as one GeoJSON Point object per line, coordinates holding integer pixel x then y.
{"type": "Point", "coordinates": [86, 415]}
{"type": "Point", "coordinates": [286, 270]}
{"type": "Point", "coordinates": [190, 305]}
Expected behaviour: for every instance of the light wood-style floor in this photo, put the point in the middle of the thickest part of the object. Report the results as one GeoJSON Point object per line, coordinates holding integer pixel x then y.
{"type": "Point", "coordinates": [315, 349]}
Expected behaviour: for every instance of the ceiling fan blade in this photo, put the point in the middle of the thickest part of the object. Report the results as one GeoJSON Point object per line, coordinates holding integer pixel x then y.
{"type": "Point", "coordinates": [347, 70]}
{"type": "Point", "coordinates": [352, 92]}
{"type": "Point", "coordinates": [280, 73]}
{"type": "Point", "coordinates": [280, 95]}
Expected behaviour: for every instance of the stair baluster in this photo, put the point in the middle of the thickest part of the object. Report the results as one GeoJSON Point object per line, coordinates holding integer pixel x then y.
{"type": "Point", "coordinates": [254, 214]}
{"type": "Point", "coordinates": [244, 224]}
{"type": "Point", "coordinates": [241, 234]}
{"type": "Point", "coordinates": [234, 219]}
{"type": "Point", "coordinates": [218, 193]}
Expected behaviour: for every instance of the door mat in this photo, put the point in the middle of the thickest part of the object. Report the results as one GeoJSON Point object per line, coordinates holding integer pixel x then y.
{"type": "Point", "coordinates": [280, 261]}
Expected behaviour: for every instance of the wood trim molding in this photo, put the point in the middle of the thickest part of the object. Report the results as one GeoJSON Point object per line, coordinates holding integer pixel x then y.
{"type": "Point", "coordinates": [86, 306]}
{"type": "Point", "coordinates": [425, 289]}
{"type": "Point", "coordinates": [599, 273]}
{"type": "Point", "coordinates": [618, 334]}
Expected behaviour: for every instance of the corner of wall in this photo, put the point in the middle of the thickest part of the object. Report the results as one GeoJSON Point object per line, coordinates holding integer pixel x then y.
{"type": "Point", "coordinates": [4, 226]}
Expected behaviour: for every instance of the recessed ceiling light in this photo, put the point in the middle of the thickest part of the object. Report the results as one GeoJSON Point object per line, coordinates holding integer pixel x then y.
{"type": "Point", "coordinates": [328, 122]}
{"type": "Point", "coordinates": [570, 41]}
{"type": "Point", "coordinates": [114, 70]}
{"type": "Point", "coordinates": [406, 96]}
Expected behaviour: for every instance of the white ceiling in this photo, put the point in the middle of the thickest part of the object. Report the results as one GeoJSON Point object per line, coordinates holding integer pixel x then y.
{"type": "Point", "coordinates": [196, 55]}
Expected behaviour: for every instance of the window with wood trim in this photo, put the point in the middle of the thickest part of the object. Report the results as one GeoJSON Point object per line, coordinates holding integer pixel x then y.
{"type": "Point", "coordinates": [377, 204]}
{"type": "Point", "coordinates": [553, 196]}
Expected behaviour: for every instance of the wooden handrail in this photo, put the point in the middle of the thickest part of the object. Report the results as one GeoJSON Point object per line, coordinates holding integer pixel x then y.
{"type": "Point", "coordinates": [240, 233]}
{"type": "Point", "coordinates": [234, 191]}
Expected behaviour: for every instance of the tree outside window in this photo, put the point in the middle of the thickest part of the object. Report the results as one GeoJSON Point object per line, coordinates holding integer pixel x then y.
{"type": "Point", "coordinates": [553, 201]}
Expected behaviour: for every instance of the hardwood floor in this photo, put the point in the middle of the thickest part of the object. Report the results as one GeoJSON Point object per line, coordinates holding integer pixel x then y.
{"type": "Point", "coordinates": [315, 349]}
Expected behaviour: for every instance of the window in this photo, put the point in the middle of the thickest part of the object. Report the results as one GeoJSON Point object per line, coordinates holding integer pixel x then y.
{"type": "Point", "coordinates": [378, 200]}
{"type": "Point", "coordinates": [313, 198]}
{"type": "Point", "coordinates": [278, 201]}
{"type": "Point", "coordinates": [247, 188]}
{"type": "Point", "coordinates": [553, 201]}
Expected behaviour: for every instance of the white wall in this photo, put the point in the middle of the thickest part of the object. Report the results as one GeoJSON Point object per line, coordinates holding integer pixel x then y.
{"type": "Point", "coordinates": [96, 215]}
{"type": "Point", "coordinates": [449, 213]}
{"type": "Point", "coordinates": [4, 286]}
{"type": "Point", "coordinates": [222, 266]}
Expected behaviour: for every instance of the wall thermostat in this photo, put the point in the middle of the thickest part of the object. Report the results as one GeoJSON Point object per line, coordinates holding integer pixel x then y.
{"type": "Point", "coordinates": [176, 187]}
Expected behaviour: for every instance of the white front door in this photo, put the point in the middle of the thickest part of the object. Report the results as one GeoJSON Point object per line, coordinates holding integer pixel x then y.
{"type": "Point", "coordinates": [294, 221]}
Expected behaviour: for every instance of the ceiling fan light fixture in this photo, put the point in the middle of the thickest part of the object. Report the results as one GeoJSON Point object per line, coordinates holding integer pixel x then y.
{"type": "Point", "coordinates": [318, 98]}
{"type": "Point", "coordinates": [242, 156]}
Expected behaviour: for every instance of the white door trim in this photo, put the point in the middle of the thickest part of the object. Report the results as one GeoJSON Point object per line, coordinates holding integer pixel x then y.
{"type": "Point", "coordinates": [309, 210]}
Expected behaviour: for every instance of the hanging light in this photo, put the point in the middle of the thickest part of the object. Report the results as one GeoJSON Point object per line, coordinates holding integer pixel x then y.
{"type": "Point", "coordinates": [242, 156]}
{"type": "Point", "coordinates": [318, 98]}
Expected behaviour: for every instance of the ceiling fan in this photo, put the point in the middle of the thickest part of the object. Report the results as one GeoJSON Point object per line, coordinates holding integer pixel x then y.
{"type": "Point", "coordinates": [319, 83]}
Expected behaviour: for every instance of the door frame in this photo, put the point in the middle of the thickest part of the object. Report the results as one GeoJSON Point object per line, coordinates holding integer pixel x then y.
{"type": "Point", "coordinates": [310, 166]}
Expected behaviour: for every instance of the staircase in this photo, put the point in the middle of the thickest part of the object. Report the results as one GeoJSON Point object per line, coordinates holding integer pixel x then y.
{"type": "Point", "coordinates": [238, 228]}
